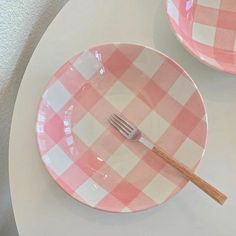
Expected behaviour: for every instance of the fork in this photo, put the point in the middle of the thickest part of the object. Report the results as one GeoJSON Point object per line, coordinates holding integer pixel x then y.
{"type": "Point", "coordinates": [131, 132]}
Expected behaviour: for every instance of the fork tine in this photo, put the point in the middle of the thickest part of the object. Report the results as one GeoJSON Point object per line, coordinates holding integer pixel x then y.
{"type": "Point", "coordinates": [123, 122]}
{"type": "Point", "coordinates": [120, 124]}
{"type": "Point", "coordinates": [118, 127]}
{"type": "Point", "coordinates": [128, 130]}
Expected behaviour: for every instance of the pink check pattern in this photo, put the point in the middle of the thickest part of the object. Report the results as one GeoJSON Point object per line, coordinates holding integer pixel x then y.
{"type": "Point", "coordinates": [88, 158]}
{"type": "Point", "coordinates": [207, 28]}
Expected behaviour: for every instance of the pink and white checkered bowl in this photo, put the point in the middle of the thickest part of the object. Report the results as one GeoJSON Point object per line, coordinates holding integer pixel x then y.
{"type": "Point", "coordinates": [88, 158]}
{"type": "Point", "coordinates": [207, 28]}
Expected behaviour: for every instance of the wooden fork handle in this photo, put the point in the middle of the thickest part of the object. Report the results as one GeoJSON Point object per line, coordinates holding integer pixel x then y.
{"type": "Point", "coordinates": [188, 174]}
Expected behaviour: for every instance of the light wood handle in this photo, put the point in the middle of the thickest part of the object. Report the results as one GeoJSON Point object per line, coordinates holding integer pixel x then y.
{"type": "Point", "coordinates": [188, 174]}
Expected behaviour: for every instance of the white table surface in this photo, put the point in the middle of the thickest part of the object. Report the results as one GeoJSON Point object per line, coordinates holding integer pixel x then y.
{"type": "Point", "coordinates": [41, 208]}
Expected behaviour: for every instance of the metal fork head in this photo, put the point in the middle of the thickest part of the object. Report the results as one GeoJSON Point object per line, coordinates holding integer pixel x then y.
{"type": "Point", "coordinates": [127, 129]}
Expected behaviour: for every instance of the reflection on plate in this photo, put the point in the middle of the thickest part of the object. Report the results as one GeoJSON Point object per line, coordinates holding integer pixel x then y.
{"type": "Point", "coordinates": [88, 158]}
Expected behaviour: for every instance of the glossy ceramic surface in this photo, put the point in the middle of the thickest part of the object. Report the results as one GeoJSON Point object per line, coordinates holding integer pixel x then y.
{"type": "Point", "coordinates": [94, 163]}
{"type": "Point", "coordinates": [207, 28]}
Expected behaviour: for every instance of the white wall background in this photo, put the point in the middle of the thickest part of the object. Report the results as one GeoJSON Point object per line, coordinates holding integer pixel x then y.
{"type": "Point", "coordinates": [22, 23]}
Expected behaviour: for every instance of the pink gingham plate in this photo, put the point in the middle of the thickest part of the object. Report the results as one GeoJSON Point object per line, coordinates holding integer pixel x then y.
{"type": "Point", "coordinates": [88, 158]}
{"type": "Point", "coordinates": [207, 28]}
